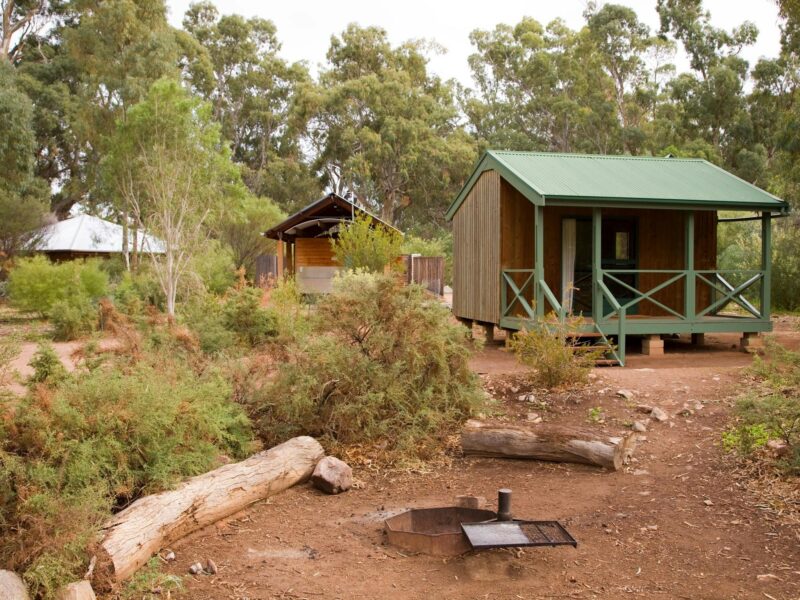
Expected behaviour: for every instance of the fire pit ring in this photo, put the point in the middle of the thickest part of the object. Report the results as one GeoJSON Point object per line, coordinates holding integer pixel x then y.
{"type": "Point", "coordinates": [435, 531]}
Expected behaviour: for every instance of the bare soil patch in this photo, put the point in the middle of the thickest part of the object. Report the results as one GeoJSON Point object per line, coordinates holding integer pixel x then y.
{"type": "Point", "coordinates": [676, 523]}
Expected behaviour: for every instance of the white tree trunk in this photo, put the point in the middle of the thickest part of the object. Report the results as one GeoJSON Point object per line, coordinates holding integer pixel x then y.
{"type": "Point", "coordinates": [545, 442]}
{"type": "Point", "coordinates": [153, 522]}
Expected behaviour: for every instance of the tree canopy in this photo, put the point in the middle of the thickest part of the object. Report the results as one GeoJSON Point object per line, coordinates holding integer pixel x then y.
{"type": "Point", "coordinates": [374, 120]}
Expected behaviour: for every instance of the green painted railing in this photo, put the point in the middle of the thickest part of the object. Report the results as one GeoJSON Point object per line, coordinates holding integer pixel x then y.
{"type": "Point", "coordinates": [728, 287]}
{"type": "Point", "coordinates": [731, 293]}
{"type": "Point", "coordinates": [620, 311]}
{"type": "Point", "coordinates": [717, 280]}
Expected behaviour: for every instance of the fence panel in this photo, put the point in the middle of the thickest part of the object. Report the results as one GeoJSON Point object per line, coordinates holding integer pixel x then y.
{"type": "Point", "coordinates": [266, 268]}
{"type": "Point", "coordinates": [427, 271]}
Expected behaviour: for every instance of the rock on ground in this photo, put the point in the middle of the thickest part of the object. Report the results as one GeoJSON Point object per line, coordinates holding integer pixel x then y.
{"type": "Point", "coordinates": [659, 415]}
{"type": "Point", "coordinates": [80, 590]}
{"type": "Point", "coordinates": [332, 476]}
{"type": "Point", "coordinates": [12, 587]}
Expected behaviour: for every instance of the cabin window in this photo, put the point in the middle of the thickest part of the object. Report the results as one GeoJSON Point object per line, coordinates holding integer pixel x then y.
{"type": "Point", "coordinates": [622, 247]}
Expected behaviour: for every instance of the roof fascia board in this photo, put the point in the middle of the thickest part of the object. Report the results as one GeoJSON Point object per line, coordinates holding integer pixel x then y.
{"type": "Point", "coordinates": [664, 204]}
{"type": "Point", "coordinates": [755, 187]}
{"type": "Point", "coordinates": [490, 162]}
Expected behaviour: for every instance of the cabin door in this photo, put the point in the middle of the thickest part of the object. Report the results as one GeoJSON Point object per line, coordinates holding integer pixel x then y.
{"type": "Point", "coordinates": [619, 250]}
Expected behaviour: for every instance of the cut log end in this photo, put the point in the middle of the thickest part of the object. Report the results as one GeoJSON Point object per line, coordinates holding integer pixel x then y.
{"type": "Point", "coordinates": [546, 442]}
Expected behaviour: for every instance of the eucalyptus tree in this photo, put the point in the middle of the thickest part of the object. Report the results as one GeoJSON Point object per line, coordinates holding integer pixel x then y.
{"type": "Point", "coordinates": [543, 88]}
{"type": "Point", "coordinates": [382, 127]}
{"type": "Point", "coordinates": [22, 195]}
{"type": "Point", "coordinates": [251, 89]}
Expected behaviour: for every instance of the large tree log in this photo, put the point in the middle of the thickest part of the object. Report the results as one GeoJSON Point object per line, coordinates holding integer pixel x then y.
{"type": "Point", "coordinates": [544, 442]}
{"type": "Point", "coordinates": [153, 522]}
{"type": "Point", "coordinates": [12, 587]}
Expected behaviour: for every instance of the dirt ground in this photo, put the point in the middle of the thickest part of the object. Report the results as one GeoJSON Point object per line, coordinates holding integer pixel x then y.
{"type": "Point", "coordinates": [675, 523]}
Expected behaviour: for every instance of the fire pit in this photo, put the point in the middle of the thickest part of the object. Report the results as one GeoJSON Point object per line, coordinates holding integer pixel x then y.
{"type": "Point", "coordinates": [453, 530]}
{"type": "Point", "coordinates": [435, 531]}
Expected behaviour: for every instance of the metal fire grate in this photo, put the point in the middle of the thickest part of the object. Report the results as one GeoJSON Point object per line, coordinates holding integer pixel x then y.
{"type": "Point", "coordinates": [504, 534]}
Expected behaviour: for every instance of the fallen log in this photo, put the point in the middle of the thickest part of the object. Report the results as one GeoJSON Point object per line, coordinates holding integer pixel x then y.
{"type": "Point", "coordinates": [12, 587]}
{"type": "Point", "coordinates": [544, 442]}
{"type": "Point", "coordinates": [154, 522]}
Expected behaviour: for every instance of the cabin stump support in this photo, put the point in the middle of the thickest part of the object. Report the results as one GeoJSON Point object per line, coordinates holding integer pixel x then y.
{"type": "Point", "coordinates": [467, 323]}
{"type": "Point", "coordinates": [652, 345]}
{"type": "Point", "coordinates": [698, 339]}
{"type": "Point", "coordinates": [751, 342]}
{"type": "Point", "coordinates": [488, 329]}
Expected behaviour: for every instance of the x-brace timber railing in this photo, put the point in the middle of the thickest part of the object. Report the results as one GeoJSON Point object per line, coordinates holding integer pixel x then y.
{"type": "Point", "coordinates": [521, 293]}
{"type": "Point", "coordinates": [519, 301]}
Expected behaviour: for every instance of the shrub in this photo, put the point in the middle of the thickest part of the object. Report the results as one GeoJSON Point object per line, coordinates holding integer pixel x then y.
{"type": "Point", "coordinates": [291, 314]}
{"type": "Point", "coordinates": [244, 315]}
{"type": "Point", "coordinates": [135, 291]}
{"type": "Point", "coordinates": [73, 317]}
{"type": "Point", "coordinates": [362, 246]}
{"type": "Point", "coordinates": [383, 366]}
{"type": "Point", "coordinates": [47, 367]}
{"type": "Point", "coordinates": [204, 315]}
{"type": "Point", "coordinates": [214, 267]}
{"type": "Point", "coordinates": [36, 284]}
{"type": "Point", "coordinates": [70, 456]}
{"type": "Point", "coordinates": [772, 416]}
{"type": "Point", "coordinates": [554, 355]}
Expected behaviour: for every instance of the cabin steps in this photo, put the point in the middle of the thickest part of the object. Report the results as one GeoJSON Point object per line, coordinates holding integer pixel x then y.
{"type": "Point", "coordinates": [606, 362]}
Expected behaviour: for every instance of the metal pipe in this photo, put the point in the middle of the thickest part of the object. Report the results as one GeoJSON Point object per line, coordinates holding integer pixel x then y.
{"type": "Point", "coordinates": [504, 505]}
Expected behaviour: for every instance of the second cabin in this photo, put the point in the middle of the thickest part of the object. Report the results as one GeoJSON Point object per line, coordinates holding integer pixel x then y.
{"type": "Point", "coordinates": [304, 241]}
{"type": "Point", "coordinates": [630, 243]}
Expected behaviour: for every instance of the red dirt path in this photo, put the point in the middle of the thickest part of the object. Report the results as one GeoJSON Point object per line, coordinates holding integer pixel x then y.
{"type": "Point", "coordinates": [674, 524]}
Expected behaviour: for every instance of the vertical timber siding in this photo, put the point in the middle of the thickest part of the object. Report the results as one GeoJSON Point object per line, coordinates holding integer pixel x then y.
{"type": "Point", "coordinates": [314, 252]}
{"type": "Point", "coordinates": [476, 248]}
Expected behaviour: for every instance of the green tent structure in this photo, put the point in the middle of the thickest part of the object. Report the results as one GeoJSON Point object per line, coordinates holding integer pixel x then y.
{"type": "Point", "coordinates": [629, 243]}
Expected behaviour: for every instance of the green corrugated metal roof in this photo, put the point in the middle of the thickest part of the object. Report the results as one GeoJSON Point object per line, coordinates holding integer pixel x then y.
{"type": "Point", "coordinates": [547, 178]}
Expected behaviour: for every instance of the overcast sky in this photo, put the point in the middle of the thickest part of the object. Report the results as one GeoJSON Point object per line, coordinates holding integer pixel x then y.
{"type": "Point", "coordinates": [305, 27]}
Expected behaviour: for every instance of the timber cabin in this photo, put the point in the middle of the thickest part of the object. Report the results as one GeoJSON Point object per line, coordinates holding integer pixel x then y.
{"type": "Point", "coordinates": [304, 241]}
{"type": "Point", "coordinates": [629, 243]}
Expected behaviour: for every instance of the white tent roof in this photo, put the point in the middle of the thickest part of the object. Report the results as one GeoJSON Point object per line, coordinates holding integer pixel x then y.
{"type": "Point", "coordinates": [86, 233]}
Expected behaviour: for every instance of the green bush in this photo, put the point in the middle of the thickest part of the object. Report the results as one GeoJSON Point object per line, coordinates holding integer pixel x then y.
{"type": "Point", "coordinates": [362, 246]}
{"type": "Point", "coordinates": [775, 415]}
{"type": "Point", "coordinates": [553, 355]}
{"type": "Point", "coordinates": [291, 313]}
{"type": "Point", "coordinates": [73, 317]}
{"type": "Point", "coordinates": [69, 456]}
{"type": "Point", "coordinates": [786, 265]}
{"type": "Point", "coordinates": [47, 367]}
{"type": "Point", "coordinates": [383, 366]}
{"type": "Point", "coordinates": [244, 315]}
{"type": "Point", "coordinates": [36, 284]}
{"type": "Point", "coordinates": [214, 267]}
{"type": "Point", "coordinates": [204, 315]}
{"type": "Point", "coordinates": [135, 291]}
